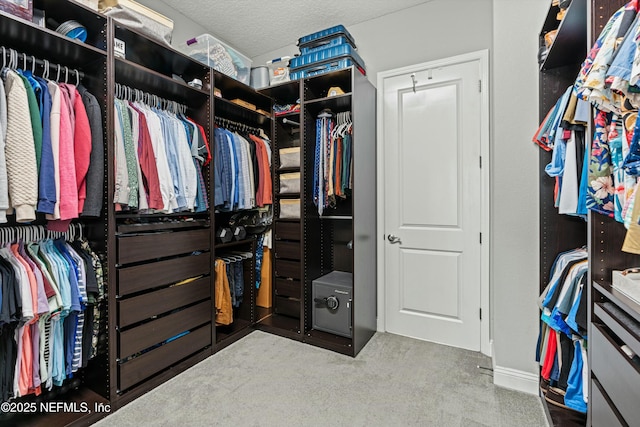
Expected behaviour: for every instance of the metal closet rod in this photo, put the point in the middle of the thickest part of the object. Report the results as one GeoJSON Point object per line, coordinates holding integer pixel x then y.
{"type": "Point", "coordinates": [132, 94]}
{"type": "Point", "coordinates": [220, 121]}
{"type": "Point", "coordinates": [16, 59]}
{"type": "Point", "coordinates": [35, 233]}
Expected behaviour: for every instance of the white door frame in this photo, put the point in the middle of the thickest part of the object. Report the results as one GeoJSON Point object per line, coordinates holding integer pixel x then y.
{"type": "Point", "coordinates": [483, 57]}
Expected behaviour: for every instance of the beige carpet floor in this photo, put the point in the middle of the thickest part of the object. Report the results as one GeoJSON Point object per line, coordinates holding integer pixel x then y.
{"type": "Point", "coordinates": [266, 380]}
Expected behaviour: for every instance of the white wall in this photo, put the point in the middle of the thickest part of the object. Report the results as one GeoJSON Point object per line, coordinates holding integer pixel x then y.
{"type": "Point", "coordinates": [515, 239]}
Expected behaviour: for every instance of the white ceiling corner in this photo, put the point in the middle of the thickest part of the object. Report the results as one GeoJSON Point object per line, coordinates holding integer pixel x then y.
{"type": "Point", "coordinates": [258, 27]}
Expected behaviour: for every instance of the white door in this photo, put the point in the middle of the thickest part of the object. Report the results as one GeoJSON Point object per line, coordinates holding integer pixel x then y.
{"type": "Point", "coordinates": [433, 202]}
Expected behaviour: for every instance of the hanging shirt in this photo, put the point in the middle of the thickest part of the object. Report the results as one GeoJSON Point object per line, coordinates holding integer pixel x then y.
{"type": "Point", "coordinates": [95, 173]}
{"type": "Point", "coordinates": [165, 179]}
{"type": "Point", "coordinates": [46, 179]}
{"type": "Point", "coordinates": [147, 161]}
{"type": "Point", "coordinates": [4, 189]}
{"type": "Point", "coordinates": [22, 173]}
{"type": "Point", "coordinates": [68, 181]}
{"type": "Point", "coordinates": [55, 122]}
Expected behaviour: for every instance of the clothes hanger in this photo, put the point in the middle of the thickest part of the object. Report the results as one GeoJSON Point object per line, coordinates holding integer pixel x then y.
{"type": "Point", "coordinates": [77, 77]}
{"type": "Point", "coordinates": [11, 59]}
{"type": "Point", "coordinates": [337, 126]}
{"type": "Point", "coordinates": [66, 74]}
{"type": "Point", "coordinates": [325, 114]}
{"type": "Point", "coordinates": [33, 65]}
{"type": "Point", "coordinates": [58, 73]}
{"type": "Point", "coordinates": [45, 71]}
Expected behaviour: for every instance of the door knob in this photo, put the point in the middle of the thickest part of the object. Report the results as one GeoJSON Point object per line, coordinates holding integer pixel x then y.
{"type": "Point", "coordinates": [394, 239]}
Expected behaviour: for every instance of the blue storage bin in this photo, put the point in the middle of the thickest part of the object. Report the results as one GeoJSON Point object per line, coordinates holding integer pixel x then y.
{"type": "Point", "coordinates": [325, 44]}
{"type": "Point", "coordinates": [324, 67]}
{"type": "Point", "coordinates": [324, 55]}
{"type": "Point", "coordinates": [315, 39]}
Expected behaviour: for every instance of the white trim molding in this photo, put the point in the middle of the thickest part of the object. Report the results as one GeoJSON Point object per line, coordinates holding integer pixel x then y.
{"type": "Point", "coordinates": [514, 379]}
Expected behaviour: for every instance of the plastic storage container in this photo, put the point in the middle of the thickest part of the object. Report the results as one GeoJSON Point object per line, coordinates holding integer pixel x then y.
{"type": "Point", "coordinates": [326, 43]}
{"type": "Point", "coordinates": [323, 55]}
{"type": "Point", "coordinates": [325, 60]}
{"type": "Point", "coordinates": [219, 56]}
{"type": "Point", "coordinates": [320, 38]}
{"type": "Point", "coordinates": [279, 70]}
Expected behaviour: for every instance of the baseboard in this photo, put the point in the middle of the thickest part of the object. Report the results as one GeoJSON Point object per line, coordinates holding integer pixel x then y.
{"type": "Point", "coordinates": [513, 379]}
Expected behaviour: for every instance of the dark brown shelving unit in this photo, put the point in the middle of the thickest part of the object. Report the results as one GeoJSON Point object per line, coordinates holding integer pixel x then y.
{"type": "Point", "coordinates": [225, 111]}
{"type": "Point", "coordinates": [341, 239]}
{"type": "Point", "coordinates": [559, 233]}
{"type": "Point", "coordinates": [159, 276]}
{"type": "Point", "coordinates": [89, 385]}
{"type": "Point", "coordinates": [570, 43]}
{"type": "Point", "coordinates": [158, 328]}
{"type": "Point", "coordinates": [614, 319]}
{"type": "Point", "coordinates": [283, 317]}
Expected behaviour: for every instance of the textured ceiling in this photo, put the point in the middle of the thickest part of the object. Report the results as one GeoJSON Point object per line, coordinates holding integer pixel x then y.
{"type": "Point", "coordinates": [257, 27]}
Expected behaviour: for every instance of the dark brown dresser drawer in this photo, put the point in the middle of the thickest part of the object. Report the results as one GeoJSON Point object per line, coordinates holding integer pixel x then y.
{"type": "Point", "coordinates": [141, 307]}
{"type": "Point", "coordinates": [287, 306]}
{"type": "Point", "coordinates": [286, 230]}
{"type": "Point", "coordinates": [284, 268]}
{"type": "Point", "coordinates": [148, 334]}
{"type": "Point", "coordinates": [152, 275]}
{"type": "Point", "coordinates": [143, 247]}
{"type": "Point", "coordinates": [144, 366]}
{"type": "Point", "coordinates": [288, 250]}
{"type": "Point", "coordinates": [288, 288]}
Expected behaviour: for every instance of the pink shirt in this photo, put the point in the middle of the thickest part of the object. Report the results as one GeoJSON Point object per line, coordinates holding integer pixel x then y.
{"type": "Point", "coordinates": [68, 182]}
{"type": "Point", "coordinates": [82, 147]}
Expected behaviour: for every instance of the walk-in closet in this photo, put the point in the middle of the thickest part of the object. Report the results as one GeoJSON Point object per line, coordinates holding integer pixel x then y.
{"type": "Point", "coordinates": [181, 274]}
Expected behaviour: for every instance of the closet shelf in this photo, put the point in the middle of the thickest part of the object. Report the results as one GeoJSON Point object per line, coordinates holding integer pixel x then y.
{"type": "Point", "coordinates": [631, 307]}
{"type": "Point", "coordinates": [338, 217]}
{"type": "Point", "coordinates": [287, 170]}
{"type": "Point", "coordinates": [159, 57]}
{"type": "Point", "coordinates": [232, 111]}
{"type": "Point", "coordinates": [233, 244]}
{"type": "Point", "coordinates": [287, 219]}
{"type": "Point", "coordinates": [333, 342]}
{"type": "Point", "coordinates": [226, 335]}
{"type": "Point", "coordinates": [148, 80]}
{"type": "Point", "coordinates": [289, 115]}
{"type": "Point", "coordinates": [122, 215]}
{"type": "Point", "coordinates": [283, 92]}
{"type": "Point", "coordinates": [46, 44]}
{"type": "Point", "coordinates": [281, 325]}
{"type": "Point", "coordinates": [168, 225]}
{"type": "Point", "coordinates": [232, 89]}
{"type": "Point", "coordinates": [338, 102]}
{"type": "Point", "coordinates": [570, 44]}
